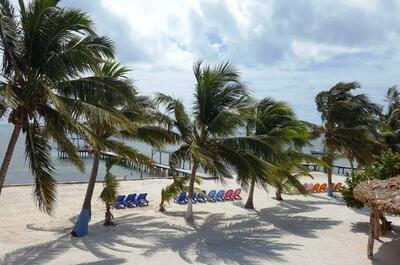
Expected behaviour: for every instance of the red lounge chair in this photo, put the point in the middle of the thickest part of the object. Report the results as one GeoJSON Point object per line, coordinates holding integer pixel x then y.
{"type": "Point", "coordinates": [236, 194]}
{"type": "Point", "coordinates": [229, 195]}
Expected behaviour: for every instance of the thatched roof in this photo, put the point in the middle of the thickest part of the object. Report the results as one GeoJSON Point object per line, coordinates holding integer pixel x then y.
{"type": "Point", "coordinates": [381, 195]}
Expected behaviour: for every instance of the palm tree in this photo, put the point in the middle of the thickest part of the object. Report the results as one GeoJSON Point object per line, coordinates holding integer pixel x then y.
{"type": "Point", "coordinates": [45, 50]}
{"type": "Point", "coordinates": [208, 139]}
{"type": "Point", "coordinates": [276, 122]}
{"type": "Point", "coordinates": [346, 129]}
{"type": "Point", "coordinates": [109, 193]}
{"type": "Point", "coordinates": [390, 119]}
{"type": "Point", "coordinates": [131, 121]}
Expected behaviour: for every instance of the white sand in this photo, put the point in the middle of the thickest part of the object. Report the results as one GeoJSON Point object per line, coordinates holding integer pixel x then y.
{"type": "Point", "coordinates": [301, 230]}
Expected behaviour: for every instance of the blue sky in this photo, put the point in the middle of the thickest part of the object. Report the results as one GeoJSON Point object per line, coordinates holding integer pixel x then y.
{"type": "Point", "coordinates": [289, 50]}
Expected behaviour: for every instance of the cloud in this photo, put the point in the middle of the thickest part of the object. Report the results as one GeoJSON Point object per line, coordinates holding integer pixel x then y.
{"type": "Point", "coordinates": [287, 49]}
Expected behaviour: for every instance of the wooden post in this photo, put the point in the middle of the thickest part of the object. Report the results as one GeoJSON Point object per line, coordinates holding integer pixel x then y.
{"type": "Point", "coordinates": [370, 248]}
{"type": "Point", "coordinates": [377, 227]}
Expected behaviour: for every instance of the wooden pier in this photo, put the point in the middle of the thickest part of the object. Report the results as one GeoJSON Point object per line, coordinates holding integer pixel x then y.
{"type": "Point", "coordinates": [340, 170]}
{"type": "Point", "coordinates": [160, 166]}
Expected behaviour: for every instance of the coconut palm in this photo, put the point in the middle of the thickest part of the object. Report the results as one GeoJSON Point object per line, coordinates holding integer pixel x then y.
{"type": "Point", "coordinates": [346, 129]}
{"type": "Point", "coordinates": [110, 189]}
{"type": "Point", "coordinates": [131, 121]}
{"type": "Point", "coordinates": [45, 50]}
{"type": "Point", "coordinates": [208, 139]}
{"type": "Point", "coordinates": [276, 122]}
{"type": "Point", "coordinates": [390, 118]}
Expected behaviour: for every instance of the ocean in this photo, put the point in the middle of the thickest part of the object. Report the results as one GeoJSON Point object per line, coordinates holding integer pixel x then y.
{"type": "Point", "coordinates": [19, 172]}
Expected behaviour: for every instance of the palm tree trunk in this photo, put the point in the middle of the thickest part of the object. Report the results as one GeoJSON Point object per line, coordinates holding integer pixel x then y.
{"type": "Point", "coordinates": [8, 155]}
{"type": "Point", "coordinates": [249, 203]}
{"type": "Point", "coordinates": [161, 206]}
{"type": "Point", "coordinates": [328, 159]}
{"type": "Point", "coordinates": [279, 194]}
{"type": "Point", "coordinates": [330, 183]}
{"type": "Point", "coordinates": [352, 167]}
{"type": "Point", "coordinates": [87, 203]}
{"type": "Point", "coordinates": [189, 212]}
{"type": "Point", "coordinates": [82, 224]}
{"type": "Point", "coordinates": [108, 216]}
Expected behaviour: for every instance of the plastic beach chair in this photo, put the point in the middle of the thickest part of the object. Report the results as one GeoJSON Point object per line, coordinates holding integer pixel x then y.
{"type": "Point", "coordinates": [220, 195]}
{"type": "Point", "coordinates": [200, 197]}
{"type": "Point", "coordinates": [236, 194]}
{"type": "Point", "coordinates": [120, 202]}
{"type": "Point", "coordinates": [323, 187]}
{"type": "Point", "coordinates": [337, 187]}
{"type": "Point", "coordinates": [316, 187]}
{"type": "Point", "coordinates": [228, 195]}
{"type": "Point", "coordinates": [211, 196]}
{"type": "Point", "coordinates": [182, 198]}
{"type": "Point", "coordinates": [141, 200]}
{"type": "Point", "coordinates": [130, 200]}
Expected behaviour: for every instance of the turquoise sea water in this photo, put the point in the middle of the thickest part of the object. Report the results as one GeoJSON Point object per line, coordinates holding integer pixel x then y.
{"type": "Point", "coordinates": [19, 172]}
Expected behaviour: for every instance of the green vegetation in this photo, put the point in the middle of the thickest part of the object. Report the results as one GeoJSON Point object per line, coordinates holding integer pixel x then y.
{"type": "Point", "coordinates": [276, 124]}
{"type": "Point", "coordinates": [208, 137]}
{"type": "Point", "coordinates": [110, 189]}
{"type": "Point", "coordinates": [385, 166]}
{"type": "Point", "coordinates": [130, 119]}
{"type": "Point", "coordinates": [46, 49]}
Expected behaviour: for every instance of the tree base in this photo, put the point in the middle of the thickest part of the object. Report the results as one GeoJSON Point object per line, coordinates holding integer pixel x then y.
{"type": "Point", "coordinates": [81, 227]}
{"type": "Point", "coordinates": [249, 205]}
{"type": "Point", "coordinates": [108, 223]}
{"type": "Point", "coordinates": [278, 196]}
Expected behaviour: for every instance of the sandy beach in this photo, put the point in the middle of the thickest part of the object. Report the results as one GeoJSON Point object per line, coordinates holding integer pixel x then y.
{"type": "Point", "coordinates": [300, 230]}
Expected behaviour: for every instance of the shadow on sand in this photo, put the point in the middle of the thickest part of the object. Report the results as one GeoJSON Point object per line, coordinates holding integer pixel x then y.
{"type": "Point", "coordinates": [240, 239]}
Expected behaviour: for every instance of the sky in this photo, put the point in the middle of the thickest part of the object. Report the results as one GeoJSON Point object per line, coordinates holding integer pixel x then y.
{"type": "Point", "coordinates": [288, 50]}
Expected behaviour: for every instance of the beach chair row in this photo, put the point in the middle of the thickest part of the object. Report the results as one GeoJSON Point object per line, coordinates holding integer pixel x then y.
{"type": "Point", "coordinates": [317, 187]}
{"type": "Point", "coordinates": [132, 200]}
{"type": "Point", "coordinates": [212, 196]}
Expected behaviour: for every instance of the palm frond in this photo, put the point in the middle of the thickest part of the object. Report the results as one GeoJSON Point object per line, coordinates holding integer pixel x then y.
{"type": "Point", "coordinates": [39, 157]}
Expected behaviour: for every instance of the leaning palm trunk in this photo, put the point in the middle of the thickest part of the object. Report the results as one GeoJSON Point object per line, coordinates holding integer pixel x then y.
{"type": "Point", "coordinates": [352, 167]}
{"type": "Point", "coordinates": [8, 155]}
{"type": "Point", "coordinates": [189, 213]}
{"type": "Point", "coordinates": [81, 226]}
{"type": "Point", "coordinates": [249, 203]}
{"type": "Point", "coordinates": [108, 215]}
{"type": "Point", "coordinates": [87, 203]}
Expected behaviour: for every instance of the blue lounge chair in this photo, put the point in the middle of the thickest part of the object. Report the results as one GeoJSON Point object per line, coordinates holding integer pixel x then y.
{"type": "Point", "coordinates": [130, 200]}
{"type": "Point", "coordinates": [141, 200]}
{"type": "Point", "coordinates": [120, 202]}
{"type": "Point", "coordinates": [200, 197]}
{"type": "Point", "coordinates": [220, 196]}
{"type": "Point", "coordinates": [194, 197]}
{"type": "Point", "coordinates": [211, 196]}
{"type": "Point", "coordinates": [182, 198]}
